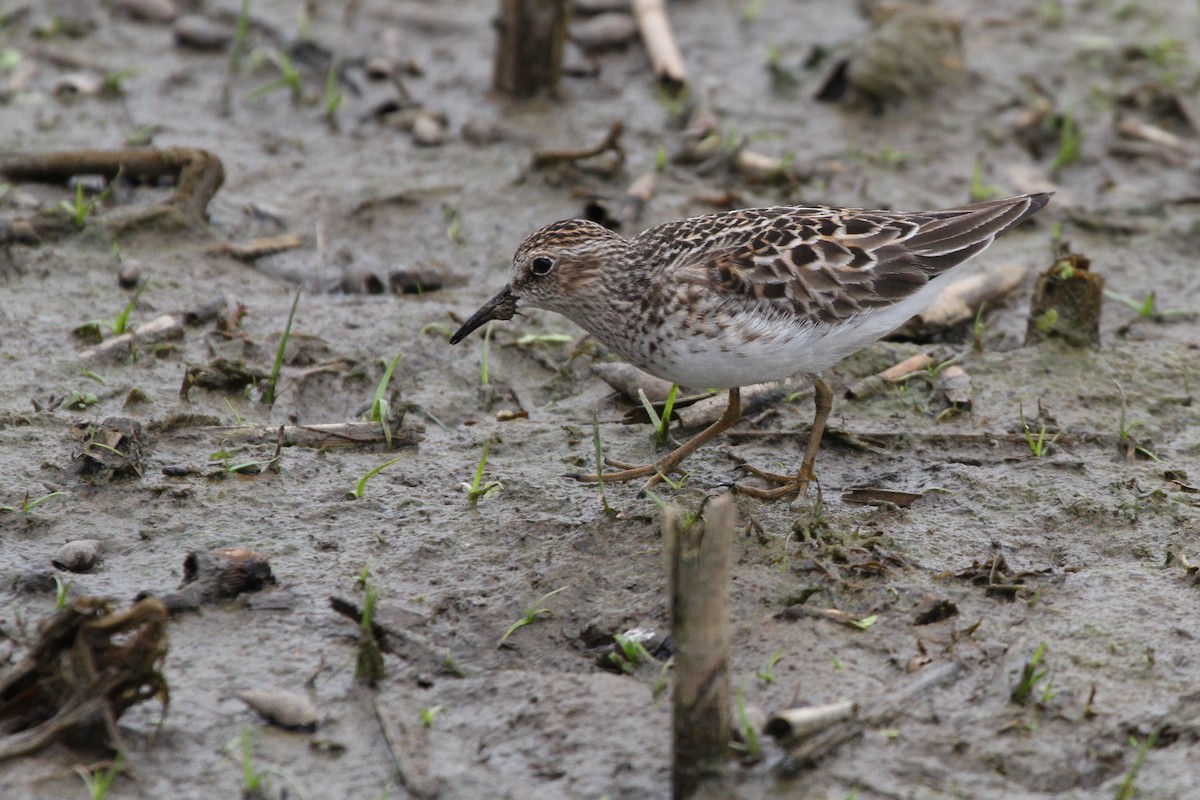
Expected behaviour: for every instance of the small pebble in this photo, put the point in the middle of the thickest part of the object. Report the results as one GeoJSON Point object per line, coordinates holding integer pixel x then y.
{"type": "Point", "coordinates": [361, 281]}
{"type": "Point", "coordinates": [415, 280]}
{"type": "Point", "coordinates": [288, 710]}
{"type": "Point", "coordinates": [147, 10]}
{"type": "Point", "coordinates": [604, 32]}
{"type": "Point", "coordinates": [77, 556]}
{"type": "Point", "coordinates": [201, 33]}
{"type": "Point", "coordinates": [429, 129]}
{"type": "Point", "coordinates": [130, 274]}
{"type": "Point", "coordinates": [77, 83]}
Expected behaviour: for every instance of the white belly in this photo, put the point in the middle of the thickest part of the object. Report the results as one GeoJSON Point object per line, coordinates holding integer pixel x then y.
{"type": "Point", "coordinates": [777, 349]}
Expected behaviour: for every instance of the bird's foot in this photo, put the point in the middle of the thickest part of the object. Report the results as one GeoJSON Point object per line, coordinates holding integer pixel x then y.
{"type": "Point", "coordinates": [629, 472]}
{"type": "Point", "coordinates": [789, 484]}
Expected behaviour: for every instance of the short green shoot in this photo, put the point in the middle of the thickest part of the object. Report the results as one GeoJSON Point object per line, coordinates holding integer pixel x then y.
{"type": "Point", "coordinates": [237, 418]}
{"type": "Point", "coordinates": [485, 376]}
{"type": "Point", "coordinates": [83, 207]}
{"type": "Point", "coordinates": [99, 782]}
{"type": "Point", "coordinates": [979, 330]}
{"type": "Point", "coordinates": [121, 320]}
{"type": "Point", "coordinates": [252, 779]}
{"type": "Point", "coordinates": [1052, 13]}
{"type": "Point", "coordinates": [1127, 791]}
{"type": "Point", "coordinates": [1032, 674]}
{"type": "Point", "coordinates": [249, 467]}
{"type": "Point", "coordinates": [368, 660]}
{"type": "Point", "coordinates": [750, 745]}
{"type": "Point", "coordinates": [675, 485]}
{"type": "Point", "coordinates": [268, 397]}
{"type": "Point", "coordinates": [61, 588]}
{"type": "Point", "coordinates": [767, 673]}
{"type": "Point", "coordinates": [289, 77]}
{"type": "Point", "coordinates": [1047, 320]}
{"type": "Point", "coordinates": [113, 80]}
{"type": "Point", "coordinates": [1070, 142]}
{"type": "Point", "coordinates": [660, 159]}
{"type": "Point", "coordinates": [631, 654]}
{"type": "Point", "coordinates": [1125, 429]}
{"type": "Point", "coordinates": [981, 191]}
{"type": "Point", "coordinates": [1147, 307]}
{"type": "Point", "coordinates": [428, 715]}
{"type": "Point", "coordinates": [752, 10]}
{"type": "Point", "coordinates": [532, 614]}
{"type": "Point", "coordinates": [453, 219]}
{"type": "Point", "coordinates": [934, 370]}
{"type": "Point", "coordinates": [477, 489]}
{"type": "Point", "coordinates": [662, 425]}
{"type": "Point", "coordinates": [380, 408]}
{"type": "Point", "coordinates": [364, 575]}
{"type": "Point", "coordinates": [659, 690]}
{"type": "Point", "coordinates": [450, 665]}
{"type": "Point", "coordinates": [600, 465]}
{"type": "Point", "coordinates": [437, 327]}
{"type": "Point", "coordinates": [28, 505]}
{"type": "Point", "coordinates": [1037, 442]}
{"type": "Point", "coordinates": [361, 486]}
{"type": "Point", "coordinates": [333, 95]}
{"type": "Point", "coordinates": [239, 38]}
{"type": "Point", "coordinates": [98, 378]}
{"type": "Point", "coordinates": [865, 623]}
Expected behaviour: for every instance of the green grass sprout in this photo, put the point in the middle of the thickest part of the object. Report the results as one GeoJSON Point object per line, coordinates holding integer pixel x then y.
{"type": "Point", "coordinates": [662, 425]}
{"type": "Point", "coordinates": [1031, 675]}
{"type": "Point", "coordinates": [83, 207]}
{"type": "Point", "coordinates": [268, 397]}
{"type": "Point", "coordinates": [1127, 791]}
{"type": "Point", "coordinates": [631, 654]}
{"type": "Point", "coordinates": [28, 505]}
{"type": "Point", "coordinates": [121, 320]}
{"type": "Point", "coordinates": [1037, 442]}
{"type": "Point", "coordinates": [99, 782]}
{"type": "Point", "coordinates": [485, 376]}
{"type": "Point", "coordinates": [767, 673]}
{"type": "Point", "coordinates": [532, 614]}
{"type": "Point", "coordinates": [478, 490]}
{"type": "Point", "coordinates": [361, 486]}
{"type": "Point", "coordinates": [600, 465]}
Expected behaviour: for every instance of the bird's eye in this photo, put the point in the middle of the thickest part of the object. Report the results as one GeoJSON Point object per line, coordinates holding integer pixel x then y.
{"type": "Point", "coordinates": [542, 265]}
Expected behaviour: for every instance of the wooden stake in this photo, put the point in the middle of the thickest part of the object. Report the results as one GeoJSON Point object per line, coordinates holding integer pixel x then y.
{"type": "Point", "coordinates": [698, 561]}
{"type": "Point", "coordinates": [529, 46]}
{"type": "Point", "coordinates": [652, 21]}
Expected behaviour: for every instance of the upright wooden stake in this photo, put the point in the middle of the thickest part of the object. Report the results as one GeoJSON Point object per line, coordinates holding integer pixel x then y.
{"type": "Point", "coordinates": [529, 46]}
{"type": "Point", "coordinates": [698, 559]}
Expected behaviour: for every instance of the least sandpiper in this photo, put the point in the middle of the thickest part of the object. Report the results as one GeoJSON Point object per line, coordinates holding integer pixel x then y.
{"type": "Point", "coordinates": [727, 300]}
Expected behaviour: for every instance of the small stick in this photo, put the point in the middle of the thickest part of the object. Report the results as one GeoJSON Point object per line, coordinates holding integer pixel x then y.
{"type": "Point", "coordinates": [698, 563]}
{"type": "Point", "coordinates": [403, 745]}
{"type": "Point", "coordinates": [255, 249]}
{"type": "Point", "coordinates": [611, 141]}
{"type": "Point", "coordinates": [660, 41]}
{"type": "Point", "coordinates": [198, 174]}
{"type": "Point", "coordinates": [962, 299]}
{"type": "Point", "coordinates": [334, 434]}
{"type": "Point", "coordinates": [878, 714]}
{"type": "Point", "coordinates": [793, 723]}
{"type": "Point", "coordinates": [754, 399]}
{"type": "Point", "coordinates": [873, 384]}
{"type": "Point", "coordinates": [157, 330]}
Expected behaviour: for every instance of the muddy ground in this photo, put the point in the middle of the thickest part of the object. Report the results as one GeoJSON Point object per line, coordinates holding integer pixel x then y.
{"type": "Point", "coordinates": [1097, 536]}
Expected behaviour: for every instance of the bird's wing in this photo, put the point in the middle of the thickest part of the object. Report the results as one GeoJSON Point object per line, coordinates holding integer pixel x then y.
{"type": "Point", "coordinates": [825, 265]}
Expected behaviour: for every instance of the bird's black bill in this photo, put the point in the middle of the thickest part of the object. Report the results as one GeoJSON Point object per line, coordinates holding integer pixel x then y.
{"type": "Point", "coordinates": [502, 306]}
